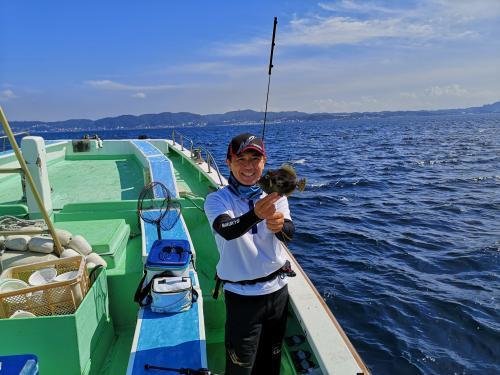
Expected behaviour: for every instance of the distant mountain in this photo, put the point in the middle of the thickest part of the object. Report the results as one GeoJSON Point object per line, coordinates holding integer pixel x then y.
{"type": "Point", "coordinates": [166, 119]}
{"type": "Point", "coordinates": [487, 108]}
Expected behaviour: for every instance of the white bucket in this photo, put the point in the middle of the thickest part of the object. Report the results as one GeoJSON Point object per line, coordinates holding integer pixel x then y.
{"type": "Point", "coordinates": [42, 276]}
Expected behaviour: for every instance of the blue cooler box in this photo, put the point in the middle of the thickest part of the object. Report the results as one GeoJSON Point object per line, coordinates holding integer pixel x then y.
{"type": "Point", "coordinates": [169, 255]}
{"type": "Point", "coordinates": [25, 364]}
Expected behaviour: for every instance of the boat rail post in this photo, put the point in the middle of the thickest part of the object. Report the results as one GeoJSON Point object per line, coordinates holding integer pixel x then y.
{"type": "Point", "coordinates": [29, 178]}
{"type": "Point", "coordinates": [208, 161]}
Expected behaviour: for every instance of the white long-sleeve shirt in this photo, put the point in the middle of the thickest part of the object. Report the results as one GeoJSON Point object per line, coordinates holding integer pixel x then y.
{"type": "Point", "coordinates": [252, 255]}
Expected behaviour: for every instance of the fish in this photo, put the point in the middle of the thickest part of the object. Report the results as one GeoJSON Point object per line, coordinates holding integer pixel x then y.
{"type": "Point", "coordinates": [282, 181]}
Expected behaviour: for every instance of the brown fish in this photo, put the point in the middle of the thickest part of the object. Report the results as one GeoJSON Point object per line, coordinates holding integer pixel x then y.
{"type": "Point", "coordinates": [283, 181]}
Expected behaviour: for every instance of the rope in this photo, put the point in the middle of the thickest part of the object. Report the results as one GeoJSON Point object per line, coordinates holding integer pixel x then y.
{"type": "Point", "coordinates": [192, 201]}
{"type": "Point", "coordinates": [12, 223]}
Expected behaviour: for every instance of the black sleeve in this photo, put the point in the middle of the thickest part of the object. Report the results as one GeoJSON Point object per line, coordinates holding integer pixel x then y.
{"type": "Point", "coordinates": [230, 228]}
{"type": "Point", "coordinates": [286, 234]}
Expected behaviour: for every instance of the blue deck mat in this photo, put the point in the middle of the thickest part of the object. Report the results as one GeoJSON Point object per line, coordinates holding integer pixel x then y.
{"type": "Point", "coordinates": [160, 167]}
{"type": "Point", "coordinates": [169, 340]}
{"type": "Point", "coordinates": [147, 148]}
{"type": "Point", "coordinates": [178, 231]}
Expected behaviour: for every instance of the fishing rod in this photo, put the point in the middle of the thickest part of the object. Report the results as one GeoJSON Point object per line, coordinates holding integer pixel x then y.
{"type": "Point", "coordinates": [269, 75]}
{"type": "Point", "coordinates": [185, 371]}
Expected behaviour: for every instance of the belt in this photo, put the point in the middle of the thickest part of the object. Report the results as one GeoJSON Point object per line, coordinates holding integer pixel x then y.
{"type": "Point", "coordinates": [286, 270]}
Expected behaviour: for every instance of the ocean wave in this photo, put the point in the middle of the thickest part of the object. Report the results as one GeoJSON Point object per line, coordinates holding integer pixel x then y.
{"type": "Point", "coordinates": [423, 163]}
{"type": "Point", "coordinates": [343, 184]}
{"type": "Point", "coordinates": [485, 178]}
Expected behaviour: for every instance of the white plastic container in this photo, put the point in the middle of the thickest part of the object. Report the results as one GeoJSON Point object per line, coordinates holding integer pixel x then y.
{"type": "Point", "coordinates": [11, 285]}
{"type": "Point", "coordinates": [42, 276]}
{"type": "Point", "coordinates": [67, 276]}
{"type": "Point", "coordinates": [22, 314]}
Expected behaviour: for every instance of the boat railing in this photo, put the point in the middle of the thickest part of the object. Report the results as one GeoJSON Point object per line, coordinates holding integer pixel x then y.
{"type": "Point", "coordinates": [4, 140]}
{"type": "Point", "coordinates": [197, 153]}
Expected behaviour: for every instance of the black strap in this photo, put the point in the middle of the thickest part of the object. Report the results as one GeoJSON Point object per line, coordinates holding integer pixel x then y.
{"type": "Point", "coordinates": [94, 273]}
{"type": "Point", "coordinates": [218, 282]}
{"type": "Point", "coordinates": [194, 295]}
{"type": "Point", "coordinates": [143, 293]}
{"type": "Point", "coordinates": [286, 270]}
{"type": "Point", "coordinates": [139, 295]}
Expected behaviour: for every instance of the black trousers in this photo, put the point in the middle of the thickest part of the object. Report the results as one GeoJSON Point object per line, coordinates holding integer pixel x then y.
{"type": "Point", "coordinates": [255, 327]}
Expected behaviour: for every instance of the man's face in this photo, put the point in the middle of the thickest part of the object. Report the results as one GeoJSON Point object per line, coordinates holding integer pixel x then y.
{"type": "Point", "coordinates": [247, 167]}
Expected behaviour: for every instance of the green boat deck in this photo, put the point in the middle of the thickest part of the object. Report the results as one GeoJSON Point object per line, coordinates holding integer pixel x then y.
{"type": "Point", "coordinates": [102, 179]}
{"type": "Point", "coordinates": [98, 180]}
{"type": "Point", "coordinates": [11, 191]}
{"type": "Point", "coordinates": [96, 196]}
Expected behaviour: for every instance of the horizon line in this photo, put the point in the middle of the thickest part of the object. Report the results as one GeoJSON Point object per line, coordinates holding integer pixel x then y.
{"type": "Point", "coordinates": [259, 111]}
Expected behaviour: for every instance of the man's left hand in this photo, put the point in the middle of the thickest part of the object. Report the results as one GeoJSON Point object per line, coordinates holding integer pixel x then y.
{"type": "Point", "coordinates": [275, 224]}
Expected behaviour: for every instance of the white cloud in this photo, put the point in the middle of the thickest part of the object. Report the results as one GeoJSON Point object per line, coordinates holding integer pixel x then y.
{"type": "Point", "coordinates": [440, 92]}
{"type": "Point", "coordinates": [7, 94]}
{"type": "Point", "coordinates": [361, 7]}
{"type": "Point", "coordinates": [465, 10]}
{"type": "Point", "coordinates": [409, 95]}
{"type": "Point", "coordinates": [139, 95]}
{"type": "Point", "coordinates": [456, 10]}
{"type": "Point", "coordinates": [333, 105]}
{"type": "Point", "coordinates": [360, 22]}
{"type": "Point", "coordinates": [450, 90]}
{"type": "Point", "coordinates": [252, 47]}
{"type": "Point", "coordinates": [218, 68]}
{"type": "Point", "coordinates": [111, 85]}
{"type": "Point", "coordinates": [342, 30]}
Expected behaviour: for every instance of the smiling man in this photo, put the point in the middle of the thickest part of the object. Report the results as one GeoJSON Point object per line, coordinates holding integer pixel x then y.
{"type": "Point", "coordinates": [249, 226]}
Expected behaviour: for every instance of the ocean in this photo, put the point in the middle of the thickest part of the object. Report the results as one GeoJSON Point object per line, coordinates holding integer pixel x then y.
{"type": "Point", "coordinates": [398, 229]}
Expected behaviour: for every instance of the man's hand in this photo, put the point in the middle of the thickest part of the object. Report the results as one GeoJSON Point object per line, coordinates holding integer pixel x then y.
{"type": "Point", "coordinates": [275, 224]}
{"type": "Point", "coordinates": [265, 208]}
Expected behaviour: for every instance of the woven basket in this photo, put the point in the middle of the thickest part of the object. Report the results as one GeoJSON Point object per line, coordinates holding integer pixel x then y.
{"type": "Point", "coordinates": [55, 298]}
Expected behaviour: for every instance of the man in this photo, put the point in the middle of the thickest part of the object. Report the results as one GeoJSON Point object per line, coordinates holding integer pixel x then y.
{"type": "Point", "coordinates": [249, 226]}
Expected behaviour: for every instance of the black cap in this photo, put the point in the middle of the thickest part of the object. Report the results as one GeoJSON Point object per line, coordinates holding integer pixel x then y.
{"type": "Point", "coordinates": [244, 142]}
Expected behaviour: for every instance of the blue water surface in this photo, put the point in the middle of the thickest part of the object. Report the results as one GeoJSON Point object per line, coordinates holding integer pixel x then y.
{"type": "Point", "coordinates": [398, 229]}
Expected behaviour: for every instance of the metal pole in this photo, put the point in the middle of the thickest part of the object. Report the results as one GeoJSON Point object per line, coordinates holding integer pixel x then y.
{"type": "Point", "coordinates": [24, 167]}
{"type": "Point", "coordinates": [11, 170]}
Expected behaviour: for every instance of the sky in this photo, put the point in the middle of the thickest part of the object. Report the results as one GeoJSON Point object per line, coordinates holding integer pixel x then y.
{"type": "Point", "coordinates": [92, 59]}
